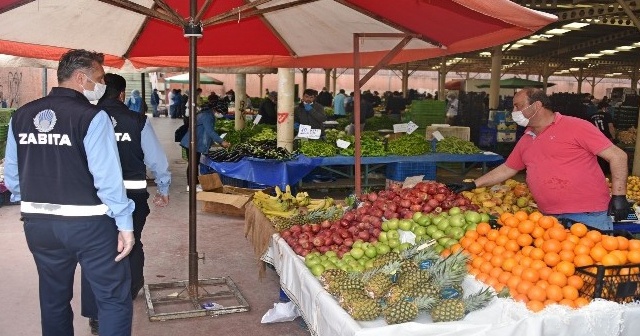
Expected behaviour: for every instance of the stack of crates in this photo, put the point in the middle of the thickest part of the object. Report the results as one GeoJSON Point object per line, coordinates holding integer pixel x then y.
{"type": "Point", "coordinates": [5, 116]}
{"type": "Point", "coordinates": [625, 117]}
{"type": "Point", "coordinates": [426, 112]}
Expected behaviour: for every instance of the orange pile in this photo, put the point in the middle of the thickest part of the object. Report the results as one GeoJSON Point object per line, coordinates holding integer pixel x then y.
{"type": "Point", "coordinates": [535, 257]}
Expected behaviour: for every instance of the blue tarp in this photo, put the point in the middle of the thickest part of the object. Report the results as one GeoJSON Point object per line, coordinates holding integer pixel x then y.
{"type": "Point", "coordinates": [272, 172]}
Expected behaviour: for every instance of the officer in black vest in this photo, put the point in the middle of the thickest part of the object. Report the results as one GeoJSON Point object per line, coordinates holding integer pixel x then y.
{"type": "Point", "coordinates": [138, 148]}
{"type": "Point", "coordinates": [62, 164]}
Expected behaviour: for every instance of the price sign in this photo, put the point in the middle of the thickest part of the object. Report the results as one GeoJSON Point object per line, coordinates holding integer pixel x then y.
{"type": "Point", "coordinates": [438, 135]}
{"type": "Point", "coordinates": [315, 133]}
{"type": "Point", "coordinates": [342, 144]}
{"type": "Point", "coordinates": [256, 120]}
{"type": "Point", "coordinates": [304, 131]}
{"type": "Point", "coordinates": [223, 135]}
{"type": "Point", "coordinates": [411, 127]}
{"type": "Point", "coordinates": [399, 128]}
{"type": "Point", "coordinates": [411, 181]}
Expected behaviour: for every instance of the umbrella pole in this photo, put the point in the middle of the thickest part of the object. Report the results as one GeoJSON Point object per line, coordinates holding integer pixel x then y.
{"type": "Point", "coordinates": [193, 165]}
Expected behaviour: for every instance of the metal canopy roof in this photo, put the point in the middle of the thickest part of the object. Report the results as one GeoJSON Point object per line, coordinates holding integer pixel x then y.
{"type": "Point", "coordinates": [612, 24]}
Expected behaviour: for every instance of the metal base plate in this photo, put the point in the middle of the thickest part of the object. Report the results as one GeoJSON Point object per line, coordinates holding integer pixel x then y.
{"type": "Point", "coordinates": [172, 300]}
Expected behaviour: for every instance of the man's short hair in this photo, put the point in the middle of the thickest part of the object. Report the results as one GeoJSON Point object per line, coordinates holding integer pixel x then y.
{"type": "Point", "coordinates": [310, 92]}
{"type": "Point", "coordinates": [76, 59]}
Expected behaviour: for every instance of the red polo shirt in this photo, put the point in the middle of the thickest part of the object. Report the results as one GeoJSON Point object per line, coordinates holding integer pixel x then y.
{"type": "Point", "coordinates": [562, 168]}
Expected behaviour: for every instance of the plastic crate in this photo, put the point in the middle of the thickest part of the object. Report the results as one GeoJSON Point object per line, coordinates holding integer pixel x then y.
{"type": "Point", "coordinates": [234, 182]}
{"type": "Point", "coordinates": [614, 283]}
{"type": "Point", "coordinates": [5, 115]}
{"type": "Point", "coordinates": [4, 131]}
{"type": "Point", "coordinates": [488, 137]}
{"type": "Point", "coordinates": [398, 171]}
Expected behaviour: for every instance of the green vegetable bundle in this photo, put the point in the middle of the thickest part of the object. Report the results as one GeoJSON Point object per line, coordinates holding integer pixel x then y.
{"type": "Point", "coordinates": [453, 145]}
{"type": "Point", "coordinates": [318, 148]}
{"type": "Point", "coordinates": [409, 145]}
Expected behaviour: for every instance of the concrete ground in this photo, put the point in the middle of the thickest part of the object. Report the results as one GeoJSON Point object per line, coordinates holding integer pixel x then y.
{"type": "Point", "coordinates": [220, 239]}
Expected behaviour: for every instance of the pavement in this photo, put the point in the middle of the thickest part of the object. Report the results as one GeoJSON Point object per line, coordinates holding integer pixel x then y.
{"type": "Point", "coordinates": [220, 240]}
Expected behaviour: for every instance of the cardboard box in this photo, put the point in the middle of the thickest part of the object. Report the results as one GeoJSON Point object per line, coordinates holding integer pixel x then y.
{"type": "Point", "coordinates": [221, 199]}
{"type": "Point", "coordinates": [460, 132]}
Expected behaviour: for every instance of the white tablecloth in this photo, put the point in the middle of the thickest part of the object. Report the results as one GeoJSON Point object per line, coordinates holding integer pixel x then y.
{"type": "Point", "coordinates": [503, 317]}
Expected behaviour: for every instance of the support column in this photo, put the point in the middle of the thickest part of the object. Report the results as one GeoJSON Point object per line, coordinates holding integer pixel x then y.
{"type": "Point", "coordinates": [305, 71]}
{"type": "Point", "coordinates": [286, 85]}
{"type": "Point", "coordinates": [44, 82]}
{"type": "Point", "coordinates": [143, 88]}
{"type": "Point", "coordinates": [261, 78]}
{"type": "Point", "coordinates": [334, 79]}
{"type": "Point", "coordinates": [442, 77]}
{"type": "Point", "coordinates": [496, 67]}
{"type": "Point", "coordinates": [241, 94]}
{"type": "Point", "coordinates": [634, 77]}
{"type": "Point", "coordinates": [580, 78]}
{"type": "Point", "coordinates": [405, 80]}
{"type": "Point", "coordinates": [327, 78]}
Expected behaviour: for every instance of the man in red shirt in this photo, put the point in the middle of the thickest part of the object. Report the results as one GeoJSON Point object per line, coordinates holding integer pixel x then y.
{"type": "Point", "coordinates": [560, 155]}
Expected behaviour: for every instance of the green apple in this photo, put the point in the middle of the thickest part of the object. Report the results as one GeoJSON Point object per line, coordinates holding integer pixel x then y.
{"type": "Point", "coordinates": [393, 224]}
{"type": "Point", "coordinates": [393, 242]}
{"type": "Point", "coordinates": [317, 269]}
{"type": "Point", "coordinates": [457, 233]}
{"type": "Point", "coordinates": [454, 211]}
{"type": "Point", "coordinates": [470, 226]}
{"type": "Point", "coordinates": [393, 235]}
{"type": "Point", "coordinates": [437, 234]}
{"type": "Point", "coordinates": [472, 217]}
{"type": "Point", "coordinates": [369, 264]}
{"type": "Point", "coordinates": [382, 248]}
{"type": "Point", "coordinates": [404, 246]}
{"type": "Point", "coordinates": [416, 216]}
{"type": "Point", "coordinates": [371, 252]}
{"type": "Point", "coordinates": [424, 220]}
{"type": "Point", "coordinates": [356, 252]}
{"type": "Point", "coordinates": [443, 224]}
{"type": "Point", "coordinates": [357, 243]}
{"type": "Point", "coordinates": [420, 230]}
{"type": "Point", "coordinates": [457, 220]}
{"type": "Point", "coordinates": [431, 229]}
{"type": "Point", "coordinates": [405, 224]}
{"type": "Point", "coordinates": [382, 237]}
{"type": "Point", "coordinates": [331, 253]}
{"type": "Point", "coordinates": [385, 226]}
{"type": "Point", "coordinates": [484, 217]}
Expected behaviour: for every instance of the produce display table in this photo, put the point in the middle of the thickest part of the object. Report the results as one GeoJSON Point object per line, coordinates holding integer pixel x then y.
{"type": "Point", "coordinates": [503, 317]}
{"type": "Point", "coordinates": [272, 172]}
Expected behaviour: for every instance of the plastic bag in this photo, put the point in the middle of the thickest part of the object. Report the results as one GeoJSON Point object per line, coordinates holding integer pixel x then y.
{"type": "Point", "coordinates": [281, 312]}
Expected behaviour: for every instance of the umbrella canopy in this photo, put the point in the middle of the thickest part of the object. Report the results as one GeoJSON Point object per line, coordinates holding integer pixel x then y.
{"type": "Point", "coordinates": [262, 33]}
{"type": "Point", "coordinates": [184, 78]}
{"type": "Point", "coordinates": [517, 83]}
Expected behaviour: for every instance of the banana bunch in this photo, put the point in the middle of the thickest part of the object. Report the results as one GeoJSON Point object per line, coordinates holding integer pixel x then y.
{"type": "Point", "coordinates": [320, 204]}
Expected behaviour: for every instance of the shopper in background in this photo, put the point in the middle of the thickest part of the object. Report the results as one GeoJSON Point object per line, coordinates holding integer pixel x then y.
{"type": "Point", "coordinates": [339, 105]}
{"type": "Point", "coordinates": [395, 106]}
{"type": "Point", "coordinates": [269, 109]}
{"type": "Point", "coordinates": [155, 101]}
{"type": "Point", "coordinates": [603, 121]}
{"type": "Point", "coordinates": [324, 98]}
{"type": "Point", "coordinates": [452, 108]}
{"type": "Point", "coordinates": [205, 131]}
{"type": "Point", "coordinates": [76, 210]}
{"type": "Point", "coordinates": [308, 112]}
{"type": "Point", "coordinates": [559, 154]}
{"type": "Point", "coordinates": [366, 112]}
{"type": "Point", "coordinates": [138, 148]}
{"type": "Point", "coordinates": [134, 103]}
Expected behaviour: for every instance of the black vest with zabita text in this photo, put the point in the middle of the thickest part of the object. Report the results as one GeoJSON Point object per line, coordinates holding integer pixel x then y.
{"type": "Point", "coordinates": [52, 161]}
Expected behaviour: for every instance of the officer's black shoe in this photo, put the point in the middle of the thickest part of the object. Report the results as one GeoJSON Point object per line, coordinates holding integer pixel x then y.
{"type": "Point", "coordinates": [95, 327]}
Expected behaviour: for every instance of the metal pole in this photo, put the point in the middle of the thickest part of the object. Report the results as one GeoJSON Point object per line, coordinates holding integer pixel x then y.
{"type": "Point", "coordinates": [193, 165]}
{"type": "Point", "coordinates": [142, 89]}
{"type": "Point", "coordinates": [44, 82]}
{"type": "Point", "coordinates": [241, 93]}
{"type": "Point", "coordinates": [356, 113]}
{"type": "Point", "coordinates": [494, 89]}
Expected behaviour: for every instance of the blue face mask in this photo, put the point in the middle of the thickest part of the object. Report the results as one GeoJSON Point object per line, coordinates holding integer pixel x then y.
{"type": "Point", "coordinates": [308, 106]}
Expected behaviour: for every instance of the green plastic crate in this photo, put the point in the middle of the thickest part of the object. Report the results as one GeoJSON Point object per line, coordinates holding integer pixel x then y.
{"type": "Point", "coordinates": [5, 115]}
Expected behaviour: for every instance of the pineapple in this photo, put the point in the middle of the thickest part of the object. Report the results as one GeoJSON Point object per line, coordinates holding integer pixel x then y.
{"type": "Point", "coordinates": [337, 280]}
{"type": "Point", "coordinates": [385, 259]}
{"type": "Point", "coordinates": [345, 297]}
{"type": "Point", "coordinates": [404, 311]}
{"type": "Point", "coordinates": [411, 275]}
{"type": "Point", "coordinates": [394, 294]}
{"type": "Point", "coordinates": [363, 309]}
{"type": "Point", "coordinates": [377, 281]}
{"type": "Point", "coordinates": [446, 276]}
{"type": "Point", "coordinates": [456, 309]}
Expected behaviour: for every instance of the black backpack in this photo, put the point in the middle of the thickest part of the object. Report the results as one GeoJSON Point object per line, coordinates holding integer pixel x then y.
{"type": "Point", "coordinates": [180, 132]}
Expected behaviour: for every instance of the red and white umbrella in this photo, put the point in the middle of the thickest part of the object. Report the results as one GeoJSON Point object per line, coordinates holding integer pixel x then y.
{"type": "Point", "coordinates": [259, 33]}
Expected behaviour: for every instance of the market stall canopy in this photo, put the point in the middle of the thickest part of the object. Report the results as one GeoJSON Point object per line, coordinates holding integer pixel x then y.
{"type": "Point", "coordinates": [261, 33]}
{"type": "Point", "coordinates": [455, 84]}
{"type": "Point", "coordinates": [184, 78]}
{"type": "Point", "coordinates": [517, 83]}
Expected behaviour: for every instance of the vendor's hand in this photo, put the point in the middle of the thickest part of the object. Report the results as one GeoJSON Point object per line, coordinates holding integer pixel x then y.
{"type": "Point", "coordinates": [161, 200]}
{"type": "Point", "coordinates": [126, 241]}
{"type": "Point", "coordinates": [618, 207]}
{"type": "Point", "coordinates": [461, 186]}
{"type": "Point", "coordinates": [225, 144]}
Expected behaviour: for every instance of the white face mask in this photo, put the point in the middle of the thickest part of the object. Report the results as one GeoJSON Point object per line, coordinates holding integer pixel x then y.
{"type": "Point", "coordinates": [520, 119]}
{"type": "Point", "coordinates": [98, 90]}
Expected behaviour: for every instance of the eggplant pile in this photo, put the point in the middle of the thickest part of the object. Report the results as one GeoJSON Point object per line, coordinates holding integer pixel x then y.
{"type": "Point", "coordinates": [266, 149]}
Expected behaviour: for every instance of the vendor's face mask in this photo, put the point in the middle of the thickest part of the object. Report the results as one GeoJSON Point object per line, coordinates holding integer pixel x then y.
{"type": "Point", "coordinates": [519, 117]}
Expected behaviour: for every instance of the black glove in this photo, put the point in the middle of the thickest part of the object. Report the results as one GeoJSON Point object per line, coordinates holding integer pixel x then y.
{"type": "Point", "coordinates": [618, 207]}
{"type": "Point", "coordinates": [461, 186]}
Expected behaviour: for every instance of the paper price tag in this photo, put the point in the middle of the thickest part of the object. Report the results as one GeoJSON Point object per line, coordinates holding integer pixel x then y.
{"type": "Point", "coordinates": [342, 144]}
{"type": "Point", "coordinates": [223, 135]}
{"type": "Point", "coordinates": [437, 135]}
{"type": "Point", "coordinates": [304, 131]}
{"type": "Point", "coordinates": [257, 118]}
{"type": "Point", "coordinates": [315, 133]}
{"type": "Point", "coordinates": [411, 127]}
{"type": "Point", "coordinates": [399, 128]}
